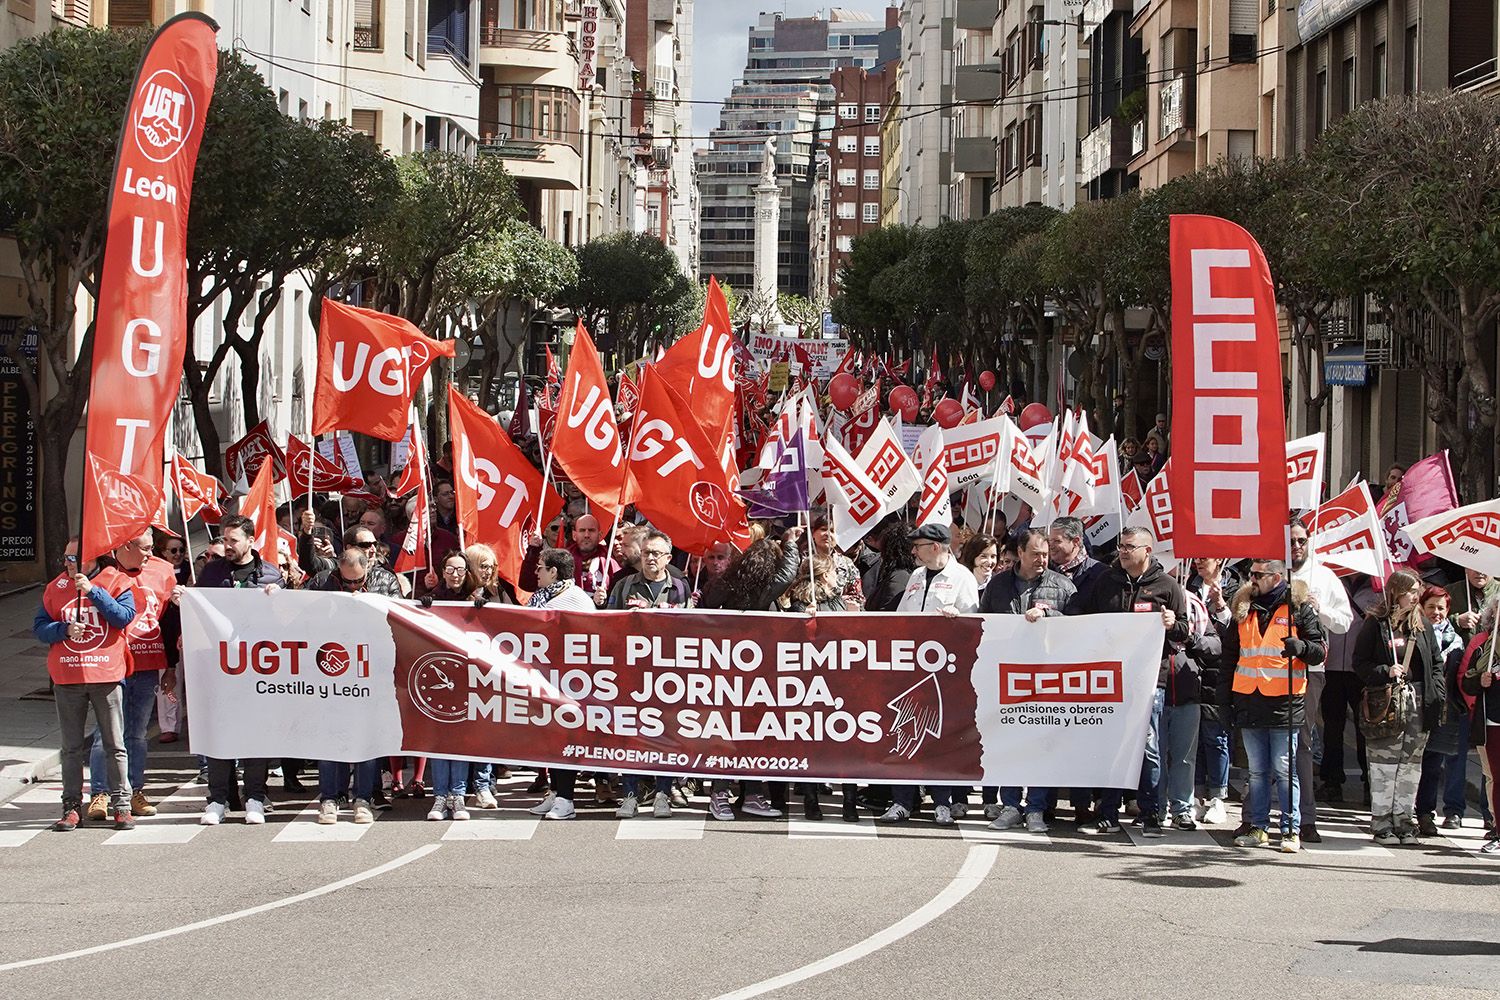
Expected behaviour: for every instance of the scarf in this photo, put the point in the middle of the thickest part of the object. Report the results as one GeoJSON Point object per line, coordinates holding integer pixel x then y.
{"type": "Point", "coordinates": [546, 594]}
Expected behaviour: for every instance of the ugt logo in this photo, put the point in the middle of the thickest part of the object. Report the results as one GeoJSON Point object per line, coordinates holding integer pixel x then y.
{"type": "Point", "coordinates": [165, 117]}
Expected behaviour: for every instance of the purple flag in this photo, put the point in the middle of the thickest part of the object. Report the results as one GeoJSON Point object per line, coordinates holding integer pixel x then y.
{"type": "Point", "coordinates": [783, 489]}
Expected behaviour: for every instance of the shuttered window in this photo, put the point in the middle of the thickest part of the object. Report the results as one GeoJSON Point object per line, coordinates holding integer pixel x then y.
{"type": "Point", "coordinates": [367, 24]}
{"type": "Point", "coordinates": [129, 13]}
{"type": "Point", "coordinates": [365, 121]}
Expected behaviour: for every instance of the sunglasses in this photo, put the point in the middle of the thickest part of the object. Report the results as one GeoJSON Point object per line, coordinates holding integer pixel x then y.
{"type": "Point", "coordinates": [174, 550]}
{"type": "Point", "coordinates": [365, 545]}
{"type": "Point", "coordinates": [70, 559]}
{"type": "Point", "coordinates": [351, 584]}
{"type": "Point", "coordinates": [1260, 575]}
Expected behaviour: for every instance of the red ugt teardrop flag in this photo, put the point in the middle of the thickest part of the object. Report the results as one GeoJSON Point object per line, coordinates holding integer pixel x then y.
{"type": "Point", "coordinates": [369, 366]}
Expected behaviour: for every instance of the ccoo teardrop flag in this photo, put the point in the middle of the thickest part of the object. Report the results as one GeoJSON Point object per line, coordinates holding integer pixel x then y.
{"type": "Point", "coordinates": [141, 332]}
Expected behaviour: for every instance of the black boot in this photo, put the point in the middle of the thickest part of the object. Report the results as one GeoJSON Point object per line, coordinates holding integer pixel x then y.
{"type": "Point", "coordinates": [851, 810]}
{"type": "Point", "coordinates": [810, 807]}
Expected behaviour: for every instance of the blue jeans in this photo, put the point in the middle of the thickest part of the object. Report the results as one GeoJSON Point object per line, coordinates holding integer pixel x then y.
{"type": "Point", "coordinates": [448, 777]}
{"type": "Point", "coordinates": [1213, 741]}
{"type": "Point", "coordinates": [139, 697]}
{"type": "Point", "coordinates": [1443, 771]}
{"type": "Point", "coordinates": [1037, 799]}
{"type": "Point", "coordinates": [1146, 797]}
{"type": "Point", "coordinates": [333, 778]}
{"type": "Point", "coordinates": [1180, 738]}
{"type": "Point", "coordinates": [1267, 750]}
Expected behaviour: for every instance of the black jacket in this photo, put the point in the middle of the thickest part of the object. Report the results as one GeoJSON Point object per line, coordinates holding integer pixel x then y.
{"type": "Point", "coordinates": [1373, 660]}
{"type": "Point", "coordinates": [1254, 710]}
{"type": "Point", "coordinates": [1116, 592]}
{"type": "Point", "coordinates": [378, 580]}
{"type": "Point", "coordinates": [1008, 594]}
{"type": "Point", "coordinates": [219, 573]}
{"type": "Point", "coordinates": [1193, 667]}
{"type": "Point", "coordinates": [1083, 577]}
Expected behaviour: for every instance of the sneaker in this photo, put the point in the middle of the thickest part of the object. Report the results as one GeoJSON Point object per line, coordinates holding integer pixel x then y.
{"type": "Point", "coordinates": [718, 807]}
{"type": "Point", "coordinates": [1453, 821]}
{"type": "Point", "coordinates": [992, 810]}
{"type": "Point", "coordinates": [756, 805]}
{"type": "Point", "coordinates": [439, 810]}
{"type": "Point", "coordinates": [457, 810]}
{"type": "Point", "coordinates": [562, 809]}
{"type": "Point", "coordinates": [123, 820]}
{"type": "Point", "coordinates": [379, 800]}
{"type": "Point", "coordinates": [959, 809]}
{"type": "Point", "coordinates": [140, 805]}
{"type": "Point", "coordinates": [1185, 821]}
{"type": "Point", "coordinates": [942, 815]}
{"type": "Point", "coordinates": [1009, 819]}
{"type": "Point", "coordinates": [1409, 838]}
{"type": "Point", "coordinates": [812, 809]}
{"type": "Point", "coordinates": [897, 813]}
{"type": "Point", "coordinates": [1255, 837]}
{"type": "Point", "coordinates": [604, 792]}
{"type": "Point", "coordinates": [1427, 825]}
{"type": "Point", "coordinates": [1103, 827]}
{"type": "Point", "coordinates": [485, 799]}
{"type": "Point", "coordinates": [68, 821]}
{"type": "Point", "coordinates": [363, 814]}
{"type": "Point", "coordinates": [543, 807]}
{"type": "Point", "coordinates": [1491, 846]}
{"type": "Point", "coordinates": [328, 812]}
{"type": "Point", "coordinates": [1151, 827]}
{"type": "Point", "coordinates": [213, 814]}
{"type": "Point", "coordinates": [1036, 823]}
{"type": "Point", "coordinates": [1310, 834]}
{"type": "Point", "coordinates": [538, 785]}
{"type": "Point", "coordinates": [1290, 844]}
{"type": "Point", "coordinates": [1215, 813]}
{"type": "Point", "coordinates": [99, 808]}
{"type": "Point", "coordinates": [255, 812]}
{"type": "Point", "coordinates": [1387, 838]}
{"type": "Point", "coordinates": [627, 808]}
{"type": "Point", "coordinates": [661, 806]}
{"type": "Point", "coordinates": [678, 797]}
{"type": "Point", "coordinates": [201, 778]}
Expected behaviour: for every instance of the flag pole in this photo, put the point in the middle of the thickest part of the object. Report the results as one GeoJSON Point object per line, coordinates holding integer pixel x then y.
{"type": "Point", "coordinates": [187, 541]}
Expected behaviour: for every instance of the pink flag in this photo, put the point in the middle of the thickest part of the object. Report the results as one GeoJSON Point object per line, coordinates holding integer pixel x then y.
{"type": "Point", "coordinates": [1426, 489]}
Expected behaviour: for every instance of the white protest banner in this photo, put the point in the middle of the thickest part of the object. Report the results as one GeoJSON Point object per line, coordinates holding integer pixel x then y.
{"type": "Point", "coordinates": [824, 354]}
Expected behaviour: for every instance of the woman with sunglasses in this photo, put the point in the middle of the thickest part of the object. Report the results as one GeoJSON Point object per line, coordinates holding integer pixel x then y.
{"type": "Point", "coordinates": [483, 586]}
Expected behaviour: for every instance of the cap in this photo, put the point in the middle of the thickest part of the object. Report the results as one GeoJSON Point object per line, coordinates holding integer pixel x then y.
{"type": "Point", "coordinates": [929, 533]}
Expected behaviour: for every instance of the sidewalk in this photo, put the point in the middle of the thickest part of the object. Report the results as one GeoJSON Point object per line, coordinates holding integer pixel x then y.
{"type": "Point", "coordinates": [29, 737]}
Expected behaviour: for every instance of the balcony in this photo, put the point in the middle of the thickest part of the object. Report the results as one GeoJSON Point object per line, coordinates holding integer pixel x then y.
{"type": "Point", "coordinates": [523, 49]}
{"type": "Point", "coordinates": [1104, 149]}
{"type": "Point", "coordinates": [538, 133]}
{"type": "Point", "coordinates": [974, 155]}
{"type": "Point", "coordinates": [977, 83]}
{"type": "Point", "coordinates": [1177, 105]}
{"type": "Point", "coordinates": [367, 35]}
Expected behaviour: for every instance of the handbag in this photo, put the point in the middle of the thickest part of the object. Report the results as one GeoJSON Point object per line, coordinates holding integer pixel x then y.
{"type": "Point", "coordinates": [1382, 707]}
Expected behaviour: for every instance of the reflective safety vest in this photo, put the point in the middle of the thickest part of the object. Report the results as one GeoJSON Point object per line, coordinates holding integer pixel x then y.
{"type": "Point", "coordinates": [1263, 668]}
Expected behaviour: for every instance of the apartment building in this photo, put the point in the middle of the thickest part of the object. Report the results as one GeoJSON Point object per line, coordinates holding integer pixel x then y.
{"type": "Point", "coordinates": [856, 159]}
{"type": "Point", "coordinates": [977, 84]}
{"type": "Point", "coordinates": [925, 184]}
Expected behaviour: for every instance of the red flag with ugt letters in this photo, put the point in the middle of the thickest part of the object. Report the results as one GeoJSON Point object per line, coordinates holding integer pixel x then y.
{"type": "Point", "coordinates": [369, 366]}
{"type": "Point", "coordinates": [196, 491]}
{"type": "Point", "coordinates": [496, 489]}
{"type": "Point", "coordinates": [1228, 470]}
{"type": "Point", "coordinates": [674, 475]}
{"type": "Point", "coordinates": [142, 329]}
{"type": "Point", "coordinates": [308, 469]}
{"type": "Point", "coordinates": [703, 367]}
{"type": "Point", "coordinates": [585, 439]}
{"type": "Point", "coordinates": [242, 460]}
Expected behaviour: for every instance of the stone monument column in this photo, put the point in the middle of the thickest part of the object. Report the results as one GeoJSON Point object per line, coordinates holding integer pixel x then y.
{"type": "Point", "coordinates": [767, 233]}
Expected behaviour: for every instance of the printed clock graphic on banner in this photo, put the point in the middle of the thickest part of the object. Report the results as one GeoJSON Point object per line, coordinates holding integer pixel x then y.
{"type": "Point", "coordinates": [438, 686]}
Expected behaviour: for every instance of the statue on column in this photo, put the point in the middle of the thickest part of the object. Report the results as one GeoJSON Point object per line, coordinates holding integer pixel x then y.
{"type": "Point", "coordinates": [768, 161]}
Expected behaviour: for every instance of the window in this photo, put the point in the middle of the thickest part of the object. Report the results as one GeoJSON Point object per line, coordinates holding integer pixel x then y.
{"type": "Point", "coordinates": [846, 178]}
{"type": "Point", "coordinates": [872, 113]}
{"type": "Point", "coordinates": [1033, 129]}
{"type": "Point", "coordinates": [1320, 103]}
{"type": "Point", "coordinates": [846, 210]}
{"type": "Point", "coordinates": [367, 24]}
{"type": "Point", "coordinates": [848, 112]}
{"type": "Point", "coordinates": [1378, 80]}
{"type": "Point", "coordinates": [367, 122]}
{"type": "Point", "coordinates": [537, 113]}
{"type": "Point", "coordinates": [845, 244]}
{"type": "Point", "coordinates": [872, 145]}
{"type": "Point", "coordinates": [870, 212]}
{"type": "Point", "coordinates": [872, 180]}
{"type": "Point", "coordinates": [848, 143]}
{"type": "Point", "coordinates": [302, 111]}
{"type": "Point", "coordinates": [328, 27]}
{"type": "Point", "coordinates": [1409, 70]}
{"type": "Point", "coordinates": [1346, 87]}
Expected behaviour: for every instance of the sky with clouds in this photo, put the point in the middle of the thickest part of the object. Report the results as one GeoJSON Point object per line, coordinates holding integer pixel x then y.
{"type": "Point", "coordinates": [720, 39]}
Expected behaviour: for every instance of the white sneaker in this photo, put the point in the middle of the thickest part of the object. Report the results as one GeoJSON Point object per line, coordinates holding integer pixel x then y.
{"type": "Point", "coordinates": [719, 808]}
{"type": "Point", "coordinates": [485, 799]}
{"type": "Point", "coordinates": [1215, 813]}
{"type": "Point", "coordinates": [1036, 823]}
{"type": "Point", "coordinates": [992, 810]}
{"type": "Point", "coordinates": [942, 815]}
{"type": "Point", "coordinates": [439, 809]}
{"type": "Point", "coordinates": [543, 807]}
{"type": "Point", "coordinates": [363, 814]}
{"type": "Point", "coordinates": [213, 814]}
{"type": "Point", "coordinates": [756, 805]}
{"type": "Point", "coordinates": [562, 809]}
{"type": "Point", "coordinates": [661, 806]}
{"type": "Point", "coordinates": [456, 808]}
{"type": "Point", "coordinates": [897, 813]}
{"type": "Point", "coordinates": [679, 797]}
{"type": "Point", "coordinates": [328, 813]}
{"type": "Point", "coordinates": [255, 812]}
{"type": "Point", "coordinates": [1009, 819]}
{"type": "Point", "coordinates": [628, 807]}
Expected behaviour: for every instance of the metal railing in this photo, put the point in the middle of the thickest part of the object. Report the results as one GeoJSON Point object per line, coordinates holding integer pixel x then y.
{"type": "Point", "coordinates": [367, 36]}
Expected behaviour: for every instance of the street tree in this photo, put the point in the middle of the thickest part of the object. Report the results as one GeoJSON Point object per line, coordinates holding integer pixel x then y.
{"type": "Point", "coordinates": [629, 287]}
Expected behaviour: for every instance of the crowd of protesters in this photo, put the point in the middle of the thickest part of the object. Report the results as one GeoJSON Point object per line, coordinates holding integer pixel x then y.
{"type": "Point", "coordinates": [1285, 654]}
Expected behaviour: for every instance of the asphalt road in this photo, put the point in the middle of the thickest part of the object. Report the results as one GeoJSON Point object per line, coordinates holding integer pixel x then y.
{"type": "Point", "coordinates": [599, 907]}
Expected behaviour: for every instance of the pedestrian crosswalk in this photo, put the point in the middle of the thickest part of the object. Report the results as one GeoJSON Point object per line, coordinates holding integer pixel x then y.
{"type": "Point", "coordinates": [294, 822]}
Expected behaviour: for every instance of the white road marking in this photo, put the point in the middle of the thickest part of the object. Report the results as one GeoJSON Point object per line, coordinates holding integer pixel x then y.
{"type": "Point", "coordinates": [305, 829]}
{"type": "Point", "coordinates": [492, 829]}
{"type": "Point", "coordinates": [175, 822]}
{"type": "Point", "coordinates": [1346, 840]}
{"type": "Point", "coordinates": [976, 866]}
{"type": "Point", "coordinates": [977, 831]}
{"type": "Point", "coordinates": [1182, 840]}
{"type": "Point", "coordinates": [831, 829]}
{"type": "Point", "coordinates": [251, 911]}
{"type": "Point", "coordinates": [16, 831]}
{"type": "Point", "coordinates": [680, 827]}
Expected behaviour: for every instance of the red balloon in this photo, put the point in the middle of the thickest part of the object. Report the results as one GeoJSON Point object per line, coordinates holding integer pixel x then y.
{"type": "Point", "coordinates": [948, 412]}
{"type": "Point", "coordinates": [843, 390]}
{"type": "Point", "coordinates": [986, 380]}
{"type": "Point", "coordinates": [909, 408]}
{"type": "Point", "coordinates": [1035, 414]}
{"type": "Point", "coordinates": [899, 398]}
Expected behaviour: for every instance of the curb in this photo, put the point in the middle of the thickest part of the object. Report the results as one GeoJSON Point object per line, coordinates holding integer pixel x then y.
{"type": "Point", "coordinates": [16, 778]}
